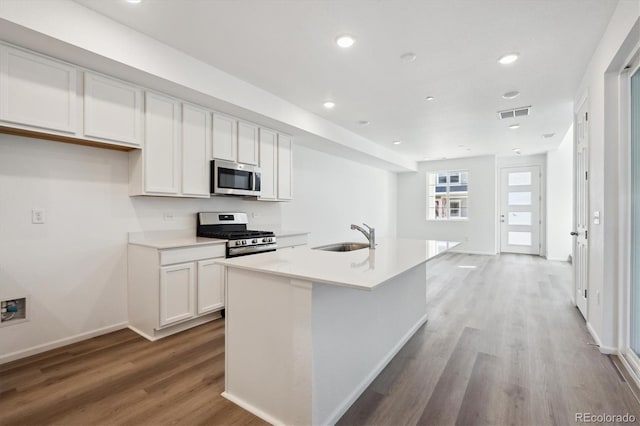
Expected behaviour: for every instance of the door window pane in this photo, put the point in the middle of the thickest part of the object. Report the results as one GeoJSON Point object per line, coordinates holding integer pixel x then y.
{"type": "Point", "coordinates": [519, 238]}
{"type": "Point", "coordinates": [520, 218]}
{"type": "Point", "coordinates": [519, 198]}
{"type": "Point", "coordinates": [520, 178]}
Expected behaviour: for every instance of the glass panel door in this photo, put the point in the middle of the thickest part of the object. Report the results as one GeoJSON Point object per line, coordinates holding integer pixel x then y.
{"type": "Point", "coordinates": [520, 210]}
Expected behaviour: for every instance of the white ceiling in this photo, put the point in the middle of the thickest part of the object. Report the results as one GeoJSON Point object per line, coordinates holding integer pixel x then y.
{"type": "Point", "coordinates": [287, 47]}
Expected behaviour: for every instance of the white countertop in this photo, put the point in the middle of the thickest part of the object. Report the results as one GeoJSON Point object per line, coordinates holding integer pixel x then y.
{"type": "Point", "coordinates": [363, 269]}
{"type": "Point", "coordinates": [183, 238]}
{"type": "Point", "coordinates": [170, 239]}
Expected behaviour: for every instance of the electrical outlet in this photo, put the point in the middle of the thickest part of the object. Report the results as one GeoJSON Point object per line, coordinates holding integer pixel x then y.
{"type": "Point", "coordinates": [37, 216]}
{"type": "Point", "coordinates": [168, 217]}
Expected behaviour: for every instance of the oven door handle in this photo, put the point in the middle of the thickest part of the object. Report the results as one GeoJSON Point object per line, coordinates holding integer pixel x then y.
{"type": "Point", "coordinates": [252, 249]}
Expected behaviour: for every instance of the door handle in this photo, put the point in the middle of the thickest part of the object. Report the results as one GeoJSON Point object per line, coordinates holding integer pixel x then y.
{"type": "Point", "coordinates": [574, 233]}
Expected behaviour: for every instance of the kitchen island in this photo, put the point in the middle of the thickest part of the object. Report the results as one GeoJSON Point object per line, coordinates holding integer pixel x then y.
{"type": "Point", "coordinates": [308, 330]}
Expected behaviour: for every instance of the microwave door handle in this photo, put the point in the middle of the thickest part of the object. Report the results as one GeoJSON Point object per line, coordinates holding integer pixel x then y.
{"type": "Point", "coordinates": [253, 175]}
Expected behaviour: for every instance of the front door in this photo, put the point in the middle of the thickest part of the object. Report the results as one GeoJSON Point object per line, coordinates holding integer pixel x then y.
{"type": "Point", "coordinates": [581, 218]}
{"type": "Point", "coordinates": [520, 210]}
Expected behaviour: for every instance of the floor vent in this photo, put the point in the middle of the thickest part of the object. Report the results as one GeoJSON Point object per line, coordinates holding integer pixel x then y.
{"type": "Point", "coordinates": [514, 113]}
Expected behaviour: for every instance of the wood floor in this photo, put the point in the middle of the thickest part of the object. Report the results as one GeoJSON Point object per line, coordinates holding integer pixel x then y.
{"type": "Point", "coordinates": [503, 346]}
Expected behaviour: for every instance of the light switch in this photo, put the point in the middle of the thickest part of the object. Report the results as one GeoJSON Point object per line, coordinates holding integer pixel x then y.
{"type": "Point", "coordinates": [596, 218]}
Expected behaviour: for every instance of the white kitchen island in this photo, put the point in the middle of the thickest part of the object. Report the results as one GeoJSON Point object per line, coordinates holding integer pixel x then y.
{"type": "Point", "coordinates": [308, 330]}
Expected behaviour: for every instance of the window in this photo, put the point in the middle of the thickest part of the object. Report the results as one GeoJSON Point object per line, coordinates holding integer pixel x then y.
{"type": "Point", "coordinates": [447, 195]}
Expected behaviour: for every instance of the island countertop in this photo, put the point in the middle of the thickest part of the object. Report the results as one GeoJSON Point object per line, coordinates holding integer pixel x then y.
{"type": "Point", "coordinates": [362, 269]}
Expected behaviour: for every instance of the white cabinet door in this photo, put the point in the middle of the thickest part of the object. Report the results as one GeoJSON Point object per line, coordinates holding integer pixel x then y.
{"type": "Point", "coordinates": [196, 140]}
{"type": "Point", "coordinates": [225, 137]}
{"type": "Point", "coordinates": [210, 286]}
{"type": "Point", "coordinates": [247, 143]}
{"type": "Point", "coordinates": [268, 164]}
{"type": "Point", "coordinates": [112, 110]}
{"type": "Point", "coordinates": [285, 163]}
{"type": "Point", "coordinates": [36, 91]}
{"type": "Point", "coordinates": [177, 293]}
{"type": "Point", "coordinates": [161, 148]}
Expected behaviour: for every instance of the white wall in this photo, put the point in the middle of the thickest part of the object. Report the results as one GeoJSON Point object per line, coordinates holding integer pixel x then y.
{"type": "Point", "coordinates": [560, 199]}
{"type": "Point", "coordinates": [331, 193]}
{"type": "Point", "coordinates": [599, 83]}
{"type": "Point", "coordinates": [73, 267]}
{"type": "Point", "coordinates": [476, 234]}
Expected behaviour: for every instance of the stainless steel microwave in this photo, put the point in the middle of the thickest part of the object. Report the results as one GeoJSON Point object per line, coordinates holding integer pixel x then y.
{"type": "Point", "coordinates": [229, 178]}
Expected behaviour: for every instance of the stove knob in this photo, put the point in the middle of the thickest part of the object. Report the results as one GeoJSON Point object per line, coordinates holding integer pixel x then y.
{"type": "Point", "coordinates": [269, 239]}
{"type": "Point", "coordinates": [238, 243]}
{"type": "Point", "coordinates": [265, 240]}
{"type": "Point", "coordinates": [244, 242]}
{"type": "Point", "coordinates": [254, 241]}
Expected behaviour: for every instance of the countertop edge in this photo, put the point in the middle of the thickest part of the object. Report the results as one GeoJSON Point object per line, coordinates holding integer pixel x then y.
{"type": "Point", "coordinates": [344, 283]}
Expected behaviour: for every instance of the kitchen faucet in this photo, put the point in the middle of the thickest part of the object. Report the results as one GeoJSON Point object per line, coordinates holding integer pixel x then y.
{"type": "Point", "coordinates": [371, 235]}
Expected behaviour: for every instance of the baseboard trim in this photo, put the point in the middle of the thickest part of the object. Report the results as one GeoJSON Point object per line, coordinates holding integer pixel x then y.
{"type": "Point", "coordinates": [608, 350]}
{"type": "Point", "coordinates": [483, 253]}
{"type": "Point", "coordinates": [34, 350]}
{"type": "Point", "coordinates": [141, 333]}
{"type": "Point", "coordinates": [252, 409]}
{"type": "Point", "coordinates": [348, 402]}
{"type": "Point", "coordinates": [593, 333]}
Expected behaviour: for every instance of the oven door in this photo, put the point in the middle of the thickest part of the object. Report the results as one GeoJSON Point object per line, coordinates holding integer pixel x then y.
{"type": "Point", "coordinates": [228, 178]}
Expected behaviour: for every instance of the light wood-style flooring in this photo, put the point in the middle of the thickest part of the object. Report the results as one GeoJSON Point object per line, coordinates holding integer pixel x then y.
{"type": "Point", "coordinates": [503, 345]}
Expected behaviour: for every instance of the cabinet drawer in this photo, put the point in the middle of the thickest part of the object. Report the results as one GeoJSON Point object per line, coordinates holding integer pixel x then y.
{"type": "Point", "coordinates": [190, 254]}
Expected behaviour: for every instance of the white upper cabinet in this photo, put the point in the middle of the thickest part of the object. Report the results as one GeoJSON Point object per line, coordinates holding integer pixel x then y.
{"type": "Point", "coordinates": [37, 92]}
{"type": "Point", "coordinates": [161, 147]}
{"type": "Point", "coordinates": [247, 143]}
{"type": "Point", "coordinates": [285, 167]}
{"type": "Point", "coordinates": [112, 110]}
{"type": "Point", "coordinates": [196, 142]}
{"type": "Point", "coordinates": [269, 164]}
{"type": "Point", "coordinates": [225, 137]}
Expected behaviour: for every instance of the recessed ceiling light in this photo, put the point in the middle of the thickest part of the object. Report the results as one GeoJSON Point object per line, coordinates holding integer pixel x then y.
{"type": "Point", "coordinates": [511, 95]}
{"type": "Point", "coordinates": [134, 1]}
{"type": "Point", "coordinates": [409, 57]}
{"type": "Point", "coordinates": [397, 142]}
{"type": "Point", "coordinates": [329, 104]}
{"type": "Point", "coordinates": [345, 41]}
{"type": "Point", "coordinates": [516, 150]}
{"type": "Point", "coordinates": [429, 98]}
{"type": "Point", "coordinates": [514, 126]}
{"type": "Point", "coordinates": [364, 122]}
{"type": "Point", "coordinates": [548, 135]}
{"type": "Point", "coordinates": [509, 58]}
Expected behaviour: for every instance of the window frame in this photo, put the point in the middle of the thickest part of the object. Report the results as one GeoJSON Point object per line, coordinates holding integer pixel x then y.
{"type": "Point", "coordinates": [454, 197]}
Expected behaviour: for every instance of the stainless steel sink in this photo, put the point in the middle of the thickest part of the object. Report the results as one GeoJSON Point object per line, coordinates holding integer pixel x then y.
{"type": "Point", "coordinates": [343, 247]}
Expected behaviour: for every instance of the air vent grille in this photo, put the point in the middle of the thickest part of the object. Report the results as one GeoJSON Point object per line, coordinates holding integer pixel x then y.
{"type": "Point", "coordinates": [514, 113]}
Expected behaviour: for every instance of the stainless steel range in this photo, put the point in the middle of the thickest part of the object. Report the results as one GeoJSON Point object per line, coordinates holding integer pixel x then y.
{"type": "Point", "coordinates": [233, 227]}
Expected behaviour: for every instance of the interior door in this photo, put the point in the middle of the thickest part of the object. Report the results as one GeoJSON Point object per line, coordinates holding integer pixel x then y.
{"type": "Point", "coordinates": [520, 210]}
{"type": "Point", "coordinates": [581, 211]}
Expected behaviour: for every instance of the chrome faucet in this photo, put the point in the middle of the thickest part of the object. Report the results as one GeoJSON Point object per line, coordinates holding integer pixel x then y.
{"type": "Point", "coordinates": [371, 235]}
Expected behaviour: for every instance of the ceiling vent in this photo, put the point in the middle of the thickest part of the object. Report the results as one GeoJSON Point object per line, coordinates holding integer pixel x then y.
{"type": "Point", "coordinates": [514, 113]}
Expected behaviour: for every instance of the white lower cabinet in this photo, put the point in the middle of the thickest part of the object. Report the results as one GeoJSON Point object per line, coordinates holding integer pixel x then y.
{"type": "Point", "coordinates": [177, 293]}
{"type": "Point", "coordinates": [172, 289]}
{"type": "Point", "coordinates": [210, 286]}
